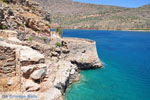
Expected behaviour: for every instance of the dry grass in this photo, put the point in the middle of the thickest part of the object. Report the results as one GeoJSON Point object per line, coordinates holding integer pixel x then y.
{"type": "Point", "coordinates": [5, 88]}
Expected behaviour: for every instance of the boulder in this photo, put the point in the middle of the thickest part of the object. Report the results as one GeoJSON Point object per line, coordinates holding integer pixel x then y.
{"type": "Point", "coordinates": [27, 55]}
{"type": "Point", "coordinates": [39, 74]}
{"type": "Point", "coordinates": [65, 50]}
{"type": "Point", "coordinates": [10, 64]}
{"type": "Point", "coordinates": [72, 71]}
{"type": "Point", "coordinates": [54, 58]}
{"type": "Point", "coordinates": [10, 82]}
{"type": "Point", "coordinates": [31, 86]}
{"type": "Point", "coordinates": [21, 36]}
{"type": "Point", "coordinates": [60, 86]}
{"type": "Point", "coordinates": [54, 54]}
{"type": "Point", "coordinates": [27, 70]}
{"type": "Point", "coordinates": [52, 94]}
{"type": "Point", "coordinates": [58, 49]}
{"type": "Point", "coordinates": [2, 57]}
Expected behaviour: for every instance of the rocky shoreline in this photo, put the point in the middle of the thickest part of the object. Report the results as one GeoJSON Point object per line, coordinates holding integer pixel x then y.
{"type": "Point", "coordinates": [45, 68]}
{"type": "Point", "coordinates": [34, 63]}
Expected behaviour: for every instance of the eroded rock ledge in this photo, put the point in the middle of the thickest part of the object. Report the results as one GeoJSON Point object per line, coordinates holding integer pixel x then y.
{"type": "Point", "coordinates": [44, 69]}
{"type": "Point", "coordinates": [83, 53]}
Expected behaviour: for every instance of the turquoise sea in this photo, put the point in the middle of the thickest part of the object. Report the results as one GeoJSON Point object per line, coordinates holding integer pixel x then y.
{"type": "Point", "coordinates": [126, 71]}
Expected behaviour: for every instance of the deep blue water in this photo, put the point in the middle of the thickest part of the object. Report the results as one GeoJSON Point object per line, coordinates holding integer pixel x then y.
{"type": "Point", "coordinates": [126, 72]}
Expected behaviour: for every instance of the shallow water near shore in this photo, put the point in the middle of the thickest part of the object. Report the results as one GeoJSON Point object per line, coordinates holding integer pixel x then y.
{"type": "Point", "coordinates": [126, 72]}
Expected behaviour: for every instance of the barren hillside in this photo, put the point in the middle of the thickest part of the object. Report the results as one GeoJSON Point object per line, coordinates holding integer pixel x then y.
{"type": "Point", "coordinates": [81, 15]}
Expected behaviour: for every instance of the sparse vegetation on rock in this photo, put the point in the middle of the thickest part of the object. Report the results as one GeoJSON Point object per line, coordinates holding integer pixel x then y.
{"type": "Point", "coordinates": [59, 30]}
{"type": "Point", "coordinates": [58, 44]}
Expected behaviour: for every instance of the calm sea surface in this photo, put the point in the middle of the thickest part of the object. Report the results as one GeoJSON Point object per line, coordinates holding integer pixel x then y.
{"type": "Point", "coordinates": [126, 72]}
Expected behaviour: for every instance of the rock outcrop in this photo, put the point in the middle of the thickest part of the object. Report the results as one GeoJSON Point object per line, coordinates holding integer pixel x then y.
{"type": "Point", "coordinates": [38, 74]}
{"type": "Point", "coordinates": [24, 16]}
{"type": "Point", "coordinates": [46, 68]}
{"type": "Point", "coordinates": [7, 61]}
{"type": "Point", "coordinates": [64, 74]}
{"type": "Point", "coordinates": [31, 86]}
{"type": "Point", "coordinates": [83, 53]}
{"type": "Point", "coordinates": [31, 60]}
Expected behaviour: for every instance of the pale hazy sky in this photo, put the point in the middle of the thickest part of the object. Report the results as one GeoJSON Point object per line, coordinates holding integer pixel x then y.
{"type": "Point", "coordinates": [123, 3]}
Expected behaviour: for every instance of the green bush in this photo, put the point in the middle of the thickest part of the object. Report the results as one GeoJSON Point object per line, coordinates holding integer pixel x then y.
{"type": "Point", "coordinates": [58, 44]}
{"type": "Point", "coordinates": [30, 39]}
{"type": "Point", "coordinates": [3, 27]}
{"type": "Point", "coordinates": [59, 31]}
{"type": "Point", "coordinates": [49, 25]}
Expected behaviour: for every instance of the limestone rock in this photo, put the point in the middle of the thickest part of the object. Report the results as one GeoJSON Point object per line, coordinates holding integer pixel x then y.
{"type": "Point", "coordinates": [2, 58]}
{"type": "Point", "coordinates": [38, 25]}
{"type": "Point", "coordinates": [72, 71]}
{"type": "Point", "coordinates": [65, 50]}
{"type": "Point", "coordinates": [83, 53]}
{"type": "Point", "coordinates": [63, 74]}
{"type": "Point", "coordinates": [10, 35]}
{"type": "Point", "coordinates": [7, 34]}
{"type": "Point", "coordinates": [52, 94]}
{"type": "Point", "coordinates": [54, 58]}
{"type": "Point", "coordinates": [27, 55]}
{"type": "Point", "coordinates": [21, 36]}
{"type": "Point", "coordinates": [9, 64]}
{"type": "Point", "coordinates": [10, 82]}
{"type": "Point", "coordinates": [14, 39]}
{"type": "Point", "coordinates": [38, 74]}
{"type": "Point", "coordinates": [31, 86]}
{"type": "Point", "coordinates": [27, 70]}
{"type": "Point", "coordinates": [54, 54]}
{"type": "Point", "coordinates": [58, 49]}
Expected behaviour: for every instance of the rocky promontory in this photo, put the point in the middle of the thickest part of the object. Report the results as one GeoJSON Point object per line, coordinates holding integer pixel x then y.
{"type": "Point", "coordinates": [34, 63]}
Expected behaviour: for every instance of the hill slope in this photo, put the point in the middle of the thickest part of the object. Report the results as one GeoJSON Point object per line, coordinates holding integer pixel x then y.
{"type": "Point", "coordinates": [81, 15]}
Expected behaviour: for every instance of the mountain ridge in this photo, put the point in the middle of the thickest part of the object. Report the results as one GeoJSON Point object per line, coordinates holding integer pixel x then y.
{"type": "Point", "coordinates": [70, 14]}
